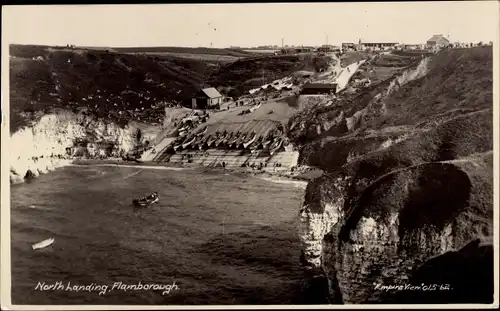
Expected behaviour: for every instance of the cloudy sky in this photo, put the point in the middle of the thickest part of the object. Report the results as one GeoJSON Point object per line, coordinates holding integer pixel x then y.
{"type": "Point", "coordinates": [223, 25]}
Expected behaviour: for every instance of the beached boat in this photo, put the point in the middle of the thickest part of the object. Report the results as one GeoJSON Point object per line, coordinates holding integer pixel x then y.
{"type": "Point", "coordinates": [226, 140]}
{"type": "Point", "coordinates": [43, 244]}
{"type": "Point", "coordinates": [202, 132]}
{"type": "Point", "coordinates": [211, 141]}
{"type": "Point", "coordinates": [234, 139]}
{"type": "Point", "coordinates": [196, 142]}
{"type": "Point", "coordinates": [203, 142]}
{"type": "Point", "coordinates": [184, 146]}
{"type": "Point", "coordinates": [256, 143]}
{"type": "Point", "coordinates": [275, 146]}
{"type": "Point", "coordinates": [255, 107]}
{"type": "Point", "coordinates": [249, 142]}
{"type": "Point", "coordinates": [241, 140]}
{"type": "Point", "coordinates": [221, 139]}
{"type": "Point", "coordinates": [267, 142]}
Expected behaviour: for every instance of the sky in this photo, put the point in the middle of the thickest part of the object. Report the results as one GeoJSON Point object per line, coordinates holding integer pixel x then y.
{"type": "Point", "coordinates": [245, 25]}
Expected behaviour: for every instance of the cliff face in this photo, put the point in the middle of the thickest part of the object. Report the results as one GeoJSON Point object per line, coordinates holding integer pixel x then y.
{"type": "Point", "coordinates": [44, 145]}
{"type": "Point", "coordinates": [403, 219]}
{"type": "Point", "coordinates": [398, 200]}
{"type": "Point", "coordinates": [367, 225]}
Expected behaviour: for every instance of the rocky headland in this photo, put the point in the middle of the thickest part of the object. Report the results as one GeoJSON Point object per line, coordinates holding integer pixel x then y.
{"type": "Point", "coordinates": [407, 194]}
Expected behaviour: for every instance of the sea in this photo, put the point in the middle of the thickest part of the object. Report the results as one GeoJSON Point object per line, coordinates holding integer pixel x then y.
{"type": "Point", "coordinates": [214, 238]}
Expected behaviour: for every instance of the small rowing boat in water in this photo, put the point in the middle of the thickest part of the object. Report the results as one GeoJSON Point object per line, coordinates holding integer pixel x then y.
{"type": "Point", "coordinates": [146, 201]}
{"type": "Point", "coordinates": [43, 244]}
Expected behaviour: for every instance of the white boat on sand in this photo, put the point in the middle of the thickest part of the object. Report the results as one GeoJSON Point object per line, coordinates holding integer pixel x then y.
{"type": "Point", "coordinates": [188, 143]}
{"type": "Point", "coordinates": [248, 143]}
{"type": "Point", "coordinates": [275, 146]}
{"type": "Point", "coordinates": [255, 107]}
{"type": "Point", "coordinates": [43, 244]}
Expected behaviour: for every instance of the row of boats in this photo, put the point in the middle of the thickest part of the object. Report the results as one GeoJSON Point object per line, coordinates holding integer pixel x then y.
{"type": "Point", "coordinates": [231, 140]}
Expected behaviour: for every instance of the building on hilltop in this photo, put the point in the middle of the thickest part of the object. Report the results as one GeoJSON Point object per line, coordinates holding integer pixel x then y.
{"type": "Point", "coordinates": [328, 48]}
{"type": "Point", "coordinates": [296, 50]}
{"type": "Point", "coordinates": [437, 42]}
{"type": "Point", "coordinates": [378, 46]}
{"type": "Point", "coordinates": [318, 89]}
{"type": "Point", "coordinates": [208, 98]}
{"type": "Point", "coordinates": [412, 46]}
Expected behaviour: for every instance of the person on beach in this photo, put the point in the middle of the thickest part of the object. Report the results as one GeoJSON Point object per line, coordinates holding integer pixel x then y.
{"type": "Point", "coordinates": [152, 196]}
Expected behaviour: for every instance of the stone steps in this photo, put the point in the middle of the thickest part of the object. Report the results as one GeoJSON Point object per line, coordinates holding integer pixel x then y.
{"type": "Point", "coordinates": [286, 159]}
{"type": "Point", "coordinates": [235, 158]}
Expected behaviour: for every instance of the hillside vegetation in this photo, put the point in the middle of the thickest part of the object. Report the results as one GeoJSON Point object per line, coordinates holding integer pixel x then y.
{"type": "Point", "coordinates": [119, 86]}
{"type": "Point", "coordinates": [457, 82]}
{"type": "Point", "coordinates": [248, 73]}
{"type": "Point", "coordinates": [186, 50]}
{"type": "Point", "coordinates": [108, 85]}
{"type": "Point", "coordinates": [407, 194]}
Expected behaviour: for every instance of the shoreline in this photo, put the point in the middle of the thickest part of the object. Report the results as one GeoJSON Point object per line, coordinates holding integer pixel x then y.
{"type": "Point", "coordinates": [281, 176]}
{"type": "Point", "coordinates": [299, 177]}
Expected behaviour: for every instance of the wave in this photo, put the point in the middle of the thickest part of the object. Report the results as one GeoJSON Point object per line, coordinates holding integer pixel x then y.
{"type": "Point", "coordinates": [297, 183]}
{"type": "Point", "coordinates": [165, 168]}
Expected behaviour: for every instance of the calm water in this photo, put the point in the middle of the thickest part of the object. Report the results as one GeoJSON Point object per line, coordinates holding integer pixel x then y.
{"type": "Point", "coordinates": [223, 239]}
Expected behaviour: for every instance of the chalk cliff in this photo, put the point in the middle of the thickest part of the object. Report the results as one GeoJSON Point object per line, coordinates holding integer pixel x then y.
{"type": "Point", "coordinates": [378, 218]}
{"type": "Point", "coordinates": [44, 145]}
{"type": "Point", "coordinates": [403, 219]}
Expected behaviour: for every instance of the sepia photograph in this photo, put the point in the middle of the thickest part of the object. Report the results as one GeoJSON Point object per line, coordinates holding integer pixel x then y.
{"type": "Point", "coordinates": [313, 155]}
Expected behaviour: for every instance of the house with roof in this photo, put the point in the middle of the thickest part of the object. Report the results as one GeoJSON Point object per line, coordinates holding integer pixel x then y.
{"type": "Point", "coordinates": [208, 98]}
{"type": "Point", "coordinates": [437, 41]}
{"type": "Point", "coordinates": [412, 46]}
{"type": "Point", "coordinates": [378, 46]}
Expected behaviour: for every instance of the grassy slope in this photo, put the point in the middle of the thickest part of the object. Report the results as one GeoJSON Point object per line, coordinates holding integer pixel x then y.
{"type": "Point", "coordinates": [440, 175]}
{"type": "Point", "coordinates": [458, 82]}
{"type": "Point", "coordinates": [186, 50]}
{"type": "Point", "coordinates": [124, 82]}
{"type": "Point", "coordinates": [380, 71]}
{"type": "Point", "coordinates": [246, 74]}
{"type": "Point", "coordinates": [457, 79]}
